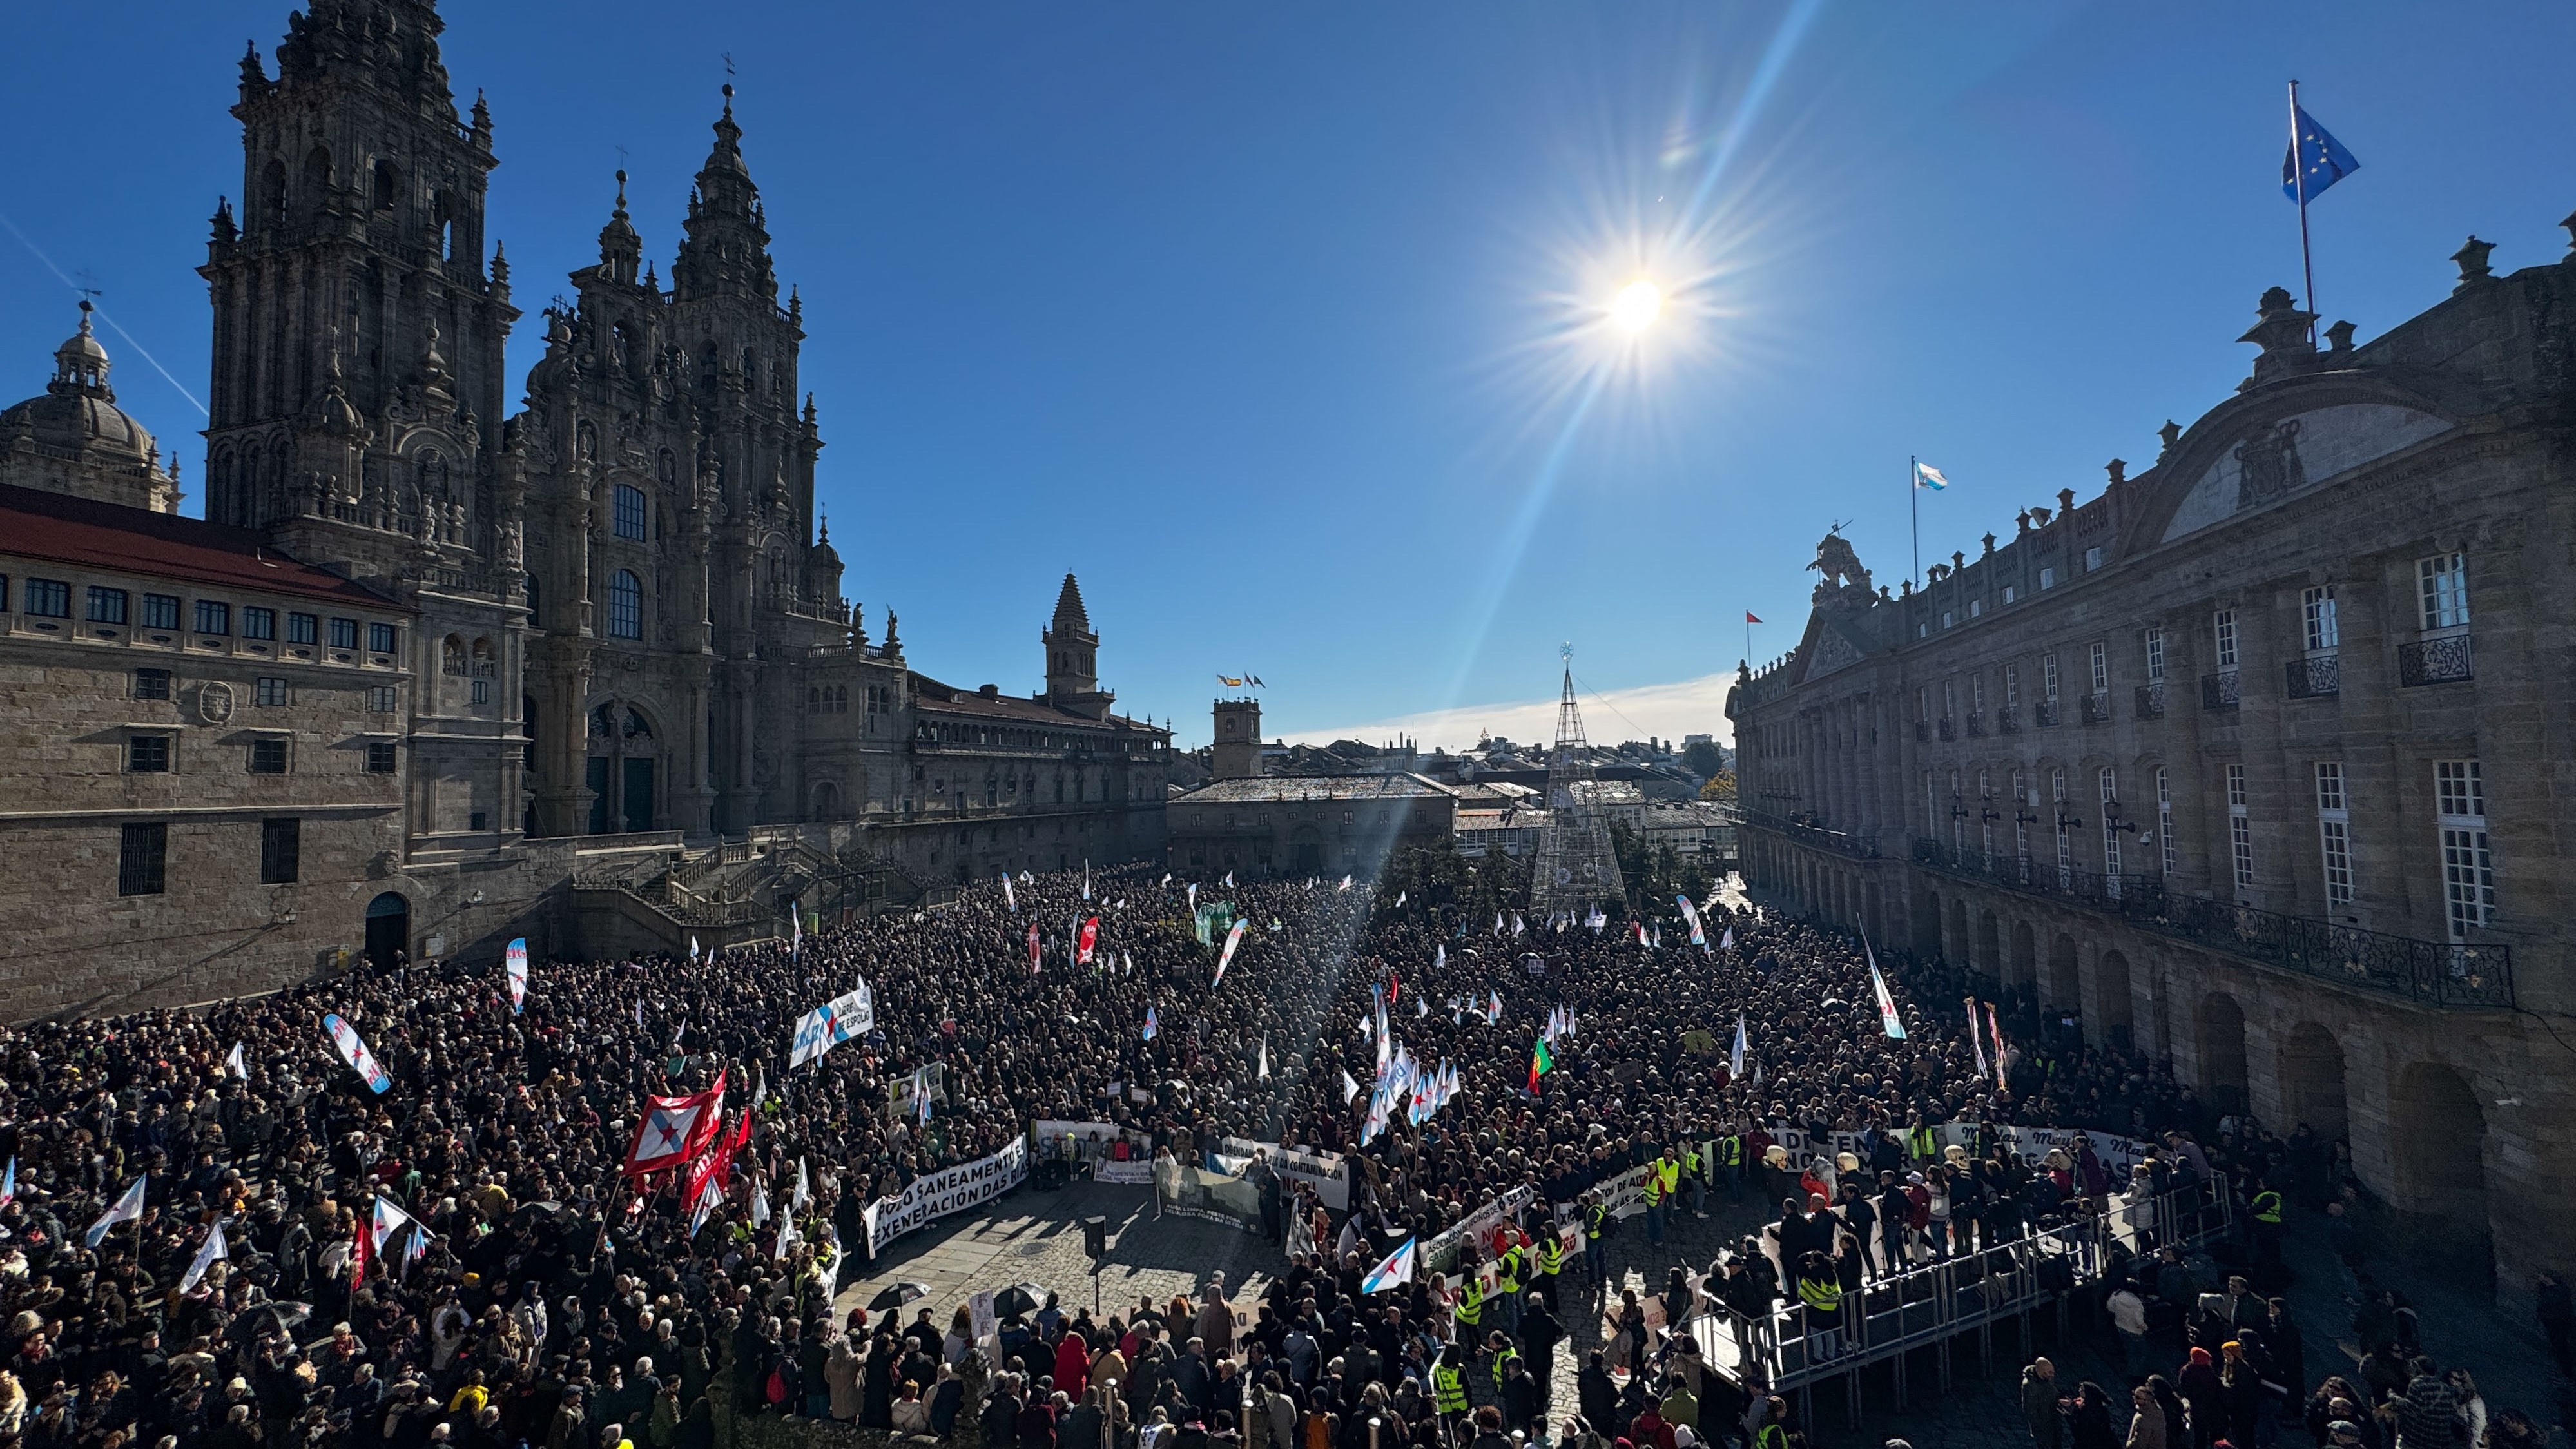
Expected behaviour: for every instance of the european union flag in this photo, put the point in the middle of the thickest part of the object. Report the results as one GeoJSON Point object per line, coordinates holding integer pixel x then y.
{"type": "Point", "coordinates": [2315, 160]}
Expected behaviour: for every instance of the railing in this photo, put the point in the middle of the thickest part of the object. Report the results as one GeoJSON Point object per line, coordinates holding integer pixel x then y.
{"type": "Point", "coordinates": [2318, 676]}
{"type": "Point", "coordinates": [1949, 728]}
{"type": "Point", "coordinates": [1976, 724]}
{"type": "Point", "coordinates": [1858, 847]}
{"type": "Point", "coordinates": [2432, 973]}
{"type": "Point", "coordinates": [2048, 717]}
{"type": "Point", "coordinates": [1922, 731]}
{"type": "Point", "coordinates": [2008, 720]}
{"type": "Point", "coordinates": [2435, 661]}
{"type": "Point", "coordinates": [2097, 708]}
{"type": "Point", "coordinates": [2151, 700]}
{"type": "Point", "coordinates": [2220, 690]}
{"type": "Point", "coordinates": [1795, 1347]}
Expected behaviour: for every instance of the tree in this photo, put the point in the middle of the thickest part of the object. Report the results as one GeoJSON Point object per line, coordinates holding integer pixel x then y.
{"type": "Point", "coordinates": [1703, 757]}
{"type": "Point", "coordinates": [1720, 788]}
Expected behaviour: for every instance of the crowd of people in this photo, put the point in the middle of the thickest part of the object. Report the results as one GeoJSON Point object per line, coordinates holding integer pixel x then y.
{"type": "Point", "coordinates": [462, 1260]}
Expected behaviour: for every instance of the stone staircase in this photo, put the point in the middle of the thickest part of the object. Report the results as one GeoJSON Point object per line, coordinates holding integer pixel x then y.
{"type": "Point", "coordinates": [734, 890]}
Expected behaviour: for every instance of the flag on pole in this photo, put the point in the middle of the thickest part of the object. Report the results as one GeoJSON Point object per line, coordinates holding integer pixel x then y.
{"type": "Point", "coordinates": [1995, 1029]}
{"type": "Point", "coordinates": [1735, 1054]}
{"type": "Point", "coordinates": [1194, 895]}
{"type": "Point", "coordinates": [674, 1128]}
{"type": "Point", "coordinates": [353, 1050]}
{"type": "Point", "coordinates": [1399, 899]}
{"type": "Point", "coordinates": [1037, 953]}
{"type": "Point", "coordinates": [693, 948]}
{"type": "Point", "coordinates": [514, 964]}
{"type": "Point", "coordinates": [1925, 476]}
{"type": "Point", "coordinates": [1887, 1021]}
{"type": "Point", "coordinates": [1974, 1038]}
{"type": "Point", "coordinates": [9, 1182]}
{"type": "Point", "coordinates": [383, 1221]}
{"type": "Point", "coordinates": [1264, 1073]}
{"type": "Point", "coordinates": [804, 1192]}
{"type": "Point", "coordinates": [1346, 882]}
{"type": "Point", "coordinates": [1726, 942]}
{"type": "Point", "coordinates": [795, 930]}
{"type": "Point", "coordinates": [1090, 938]}
{"type": "Point", "coordinates": [1229, 880]}
{"type": "Point", "coordinates": [128, 1209]}
{"type": "Point", "coordinates": [235, 1064]}
{"type": "Point", "coordinates": [2315, 160]}
{"type": "Point", "coordinates": [1394, 1271]}
{"type": "Point", "coordinates": [1350, 1089]}
{"type": "Point", "coordinates": [1225, 958]}
{"type": "Point", "coordinates": [1690, 913]}
{"type": "Point", "coordinates": [1752, 618]}
{"type": "Point", "coordinates": [1153, 1027]}
{"type": "Point", "coordinates": [208, 1253]}
{"type": "Point", "coordinates": [1086, 880]}
{"type": "Point", "coordinates": [1440, 956]}
{"type": "Point", "coordinates": [1541, 1063]}
{"type": "Point", "coordinates": [1010, 897]}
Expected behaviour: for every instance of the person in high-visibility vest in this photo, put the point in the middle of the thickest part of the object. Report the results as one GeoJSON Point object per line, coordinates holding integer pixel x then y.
{"type": "Point", "coordinates": [1920, 1144]}
{"type": "Point", "coordinates": [1449, 1387]}
{"type": "Point", "coordinates": [1596, 1253]}
{"type": "Point", "coordinates": [1821, 1292]}
{"type": "Point", "coordinates": [1501, 1356]}
{"type": "Point", "coordinates": [1694, 1176]}
{"type": "Point", "coordinates": [1469, 1307]}
{"type": "Point", "coordinates": [1507, 1288]}
{"type": "Point", "coordinates": [1670, 1167]}
{"type": "Point", "coordinates": [2267, 1224]}
{"type": "Point", "coordinates": [1730, 1165]}
{"type": "Point", "coordinates": [1654, 1194]}
{"type": "Point", "coordinates": [1549, 1257]}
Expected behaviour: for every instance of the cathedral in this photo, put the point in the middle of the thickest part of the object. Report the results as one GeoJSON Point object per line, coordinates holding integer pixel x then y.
{"type": "Point", "coordinates": [600, 631]}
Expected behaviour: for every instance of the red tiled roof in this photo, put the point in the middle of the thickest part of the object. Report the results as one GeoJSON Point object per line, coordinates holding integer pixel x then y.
{"type": "Point", "coordinates": [65, 529]}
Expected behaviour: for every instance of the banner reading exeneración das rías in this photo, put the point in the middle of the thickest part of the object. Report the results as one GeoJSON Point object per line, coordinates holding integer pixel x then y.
{"type": "Point", "coordinates": [949, 1190]}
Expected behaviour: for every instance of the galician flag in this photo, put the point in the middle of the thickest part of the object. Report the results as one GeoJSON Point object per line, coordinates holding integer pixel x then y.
{"type": "Point", "coordinates": [1394, 1272]}
{"type": "Point", "coordinates": [1010, 896]}
{"type": "Point", "coordinates": [128, 1209]}
{"type": "Point", "coordinates": [207, 1253]}
{"type": "Point", "coordinates": [1153, 1027]}
{"type": "Point", "coordinates": [514, 965]}
{"type": "Point", "coordinates": [1735, 1054]}
{"type": "Point", "coordinates": [1350, 1089]}
{"type": "Point", "coordinates": [1927, 476]}
{"type": "Point", "coordinates": [9, 1180]}
{"type": "Point", "coordinates": [1225, 958]}
{"type": "Point", "coordinates": [1541, 1063]}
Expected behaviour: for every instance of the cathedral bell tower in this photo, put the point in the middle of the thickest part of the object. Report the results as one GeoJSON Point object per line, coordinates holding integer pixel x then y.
{"type": "Point", "coordinates": [1073, 657]}
{"type": "Point", "coordinates": [356, 374]}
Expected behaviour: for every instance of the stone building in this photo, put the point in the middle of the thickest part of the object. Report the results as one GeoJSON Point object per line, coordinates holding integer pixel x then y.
{"type": "Point", "coordinates": [1298, 825]}
{"type": "Point", "coordinates": [2253, 761]}
{"type": "Point", "coordinates": [616, 622]}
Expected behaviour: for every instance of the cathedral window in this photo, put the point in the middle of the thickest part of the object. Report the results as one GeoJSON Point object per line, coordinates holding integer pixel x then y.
{"type": "Point", "coordinates": [451, 656]}
{"type": "Point", "coordinates": [625, 605]}
{"type": "Point", "coordinates": [628, 511]}
{"type": "Point", "coordinates": [388, 184]}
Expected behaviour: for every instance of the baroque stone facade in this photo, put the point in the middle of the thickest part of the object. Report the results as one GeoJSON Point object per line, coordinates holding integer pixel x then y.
{"type": "Point", "coordinates": [614, 620]}
{"type": "Point", "coordinates": [2257, 761]}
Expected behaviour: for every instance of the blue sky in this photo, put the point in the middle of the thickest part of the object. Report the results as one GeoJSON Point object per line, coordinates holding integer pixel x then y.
{"type": "Point", "coordinates": [1275, 321]}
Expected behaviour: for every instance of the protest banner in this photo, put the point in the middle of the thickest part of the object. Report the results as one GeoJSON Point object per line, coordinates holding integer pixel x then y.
{"type": "Point", "coordinates": [950, 1190]}
{"type": "Point", "coordinates": [1327, 1172]}
{"type": "Point", "coordinates": [853, 1013]}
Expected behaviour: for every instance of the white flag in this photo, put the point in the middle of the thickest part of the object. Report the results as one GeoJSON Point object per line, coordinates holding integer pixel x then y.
{"type": "Point", "coordinates": [128, 1209]}
{"type": "Point", "coordinates": [1399, 898]}
{"type": "Point", "coordinates": [1264, 1073]}
{"type": "Point", "coordinates": [207, 1253]}
{"type": "Point", "coordinates": [759, 1203]}
{"type": "Point", "coordinates": [1350, 1088]}
{"type": "Point", "coordinates": [804, 1192]}
{"type": "Point", "coordinates": [235, 1065]}
{"type": "Point", "coordinates": [1735, 1055]}
{"type": "Point", "coordinates": [1394, 1271]}
{"type": "Point", "coordinates": [1229, 880]}
{"type": "Point", "coordinates": [1010, 896]}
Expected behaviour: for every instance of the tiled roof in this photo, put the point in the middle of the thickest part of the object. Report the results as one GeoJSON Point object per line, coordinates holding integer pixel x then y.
{"type": "Point", "coordinates": [66, 529]}
{"type": "Point", "coordinates": [933, 697]}
{"type": "Point", "coordinates": [1275, 789]}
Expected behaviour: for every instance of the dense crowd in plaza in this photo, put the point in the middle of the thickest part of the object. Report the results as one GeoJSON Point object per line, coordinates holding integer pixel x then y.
{"type": "Point", "coordinates": [531, 1293]}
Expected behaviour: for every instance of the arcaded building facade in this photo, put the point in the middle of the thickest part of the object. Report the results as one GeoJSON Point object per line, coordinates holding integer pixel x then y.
{"type": "Point", "coordinates": [598, 618]}
{"type": "Point", "coordinates": [2255, 761]}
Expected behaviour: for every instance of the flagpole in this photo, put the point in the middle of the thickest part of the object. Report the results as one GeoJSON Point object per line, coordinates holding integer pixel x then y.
{"type": "Point", "coordinates": [2299, 183]}
{"type": "Point", "coordinates": [1914, 511]}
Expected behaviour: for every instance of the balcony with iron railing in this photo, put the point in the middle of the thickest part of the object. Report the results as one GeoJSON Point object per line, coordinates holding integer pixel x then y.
{"type": "Point", "coordinates": [2048, 714]}
{"type": "Point", "coordinates": [1976, 724]}
{"type": "Point", "coordinates": [2097, 707]}
{"type": "Point", "coordinates": [2443, 660]}
{"type": "Point", "coordinates": [1949, 728]}
{"type": "Point", "coordinates": [2430, 973]}
{"type": "Point", "coordinates": [2221, 690]}
{"type": "Point", "coordinates": [1805, 831]}
{"type": "Point", "coordinates": [2008, 720]}
{"type": "Point", "coordinates": [2318, 676]}
{"type": "Point", "coordinates": [2151, 700]}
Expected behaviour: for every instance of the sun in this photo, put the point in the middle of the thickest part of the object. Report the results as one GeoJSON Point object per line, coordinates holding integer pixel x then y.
{"type": "Point", "coordinates": [1638, 305]}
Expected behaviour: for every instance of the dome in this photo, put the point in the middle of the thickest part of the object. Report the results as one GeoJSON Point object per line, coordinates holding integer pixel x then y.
{"type": "Point", "coordinates": [78, 411]}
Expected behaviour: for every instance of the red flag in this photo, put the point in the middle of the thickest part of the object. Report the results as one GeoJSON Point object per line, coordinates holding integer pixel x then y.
{"type": "Point", "coordinates": [1751, 618]}
{"type": "Point", "coordinates": [713, 1168]}
{"type": "Point", "coordinates": [1090, 937]}
{"type": "Point", "coordinates": [1394, 988]}
{"type": "Point", "coordinates": [1037, 962]}
{"type": "Point", "coordinates": [674, 1129]}
{"type": "Point", "coordinates": [358, 1256]}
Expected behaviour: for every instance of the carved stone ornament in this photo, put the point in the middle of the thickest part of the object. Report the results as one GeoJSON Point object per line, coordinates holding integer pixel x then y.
{"type": "Point", "coordinates": [214, 702]}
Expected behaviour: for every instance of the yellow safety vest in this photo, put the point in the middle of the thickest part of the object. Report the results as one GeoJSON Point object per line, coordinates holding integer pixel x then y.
{"type": "Point", "coordinates": [1730, 1152]}
{"type": "Point", "coordinates": [1502, 1361]}
{"type": "Point", "coordinates": [1671, 1173]}
{"type": "Point", "coordinates": [1654, 1184]}
{"type": "Point", "coordinates": [1448, 1389]}
{"type": "Point", "coordinates": [1690, 1162]}
{"type": "Point", "coordinates": [1822, 1294]}
{"type": "Point", "coordinates": [1469, 1306]}
{"type": "Point", "coordinates": [2267, 1207]}
{"type": "Point", "coordinates": [1510, 1281]}
{"type": "Point", "coordinates": [1920, 1141]}
{"type": "Point", "coordinates": [1551, 1257]}
{"type": "Point", "coordinates": [1592, 1221]}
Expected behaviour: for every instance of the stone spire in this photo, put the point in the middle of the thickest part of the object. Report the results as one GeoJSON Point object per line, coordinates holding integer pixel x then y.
{"type": "Point", "coordinates": [621, 250]}
{"type": "Point", "coordinates": [726, 248]}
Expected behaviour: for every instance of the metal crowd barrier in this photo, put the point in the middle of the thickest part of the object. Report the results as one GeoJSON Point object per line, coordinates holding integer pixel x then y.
{"type": "Point", "coordinates": [1886, 1319]}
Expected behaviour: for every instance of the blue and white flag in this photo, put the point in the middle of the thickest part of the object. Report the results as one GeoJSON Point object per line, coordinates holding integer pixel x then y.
{"type": "Point", "coordinates": [1394, 1272]}
{"type": "Point", "coordinates": [851, 1014]}
{"type": "Point", "coordinates": [1927, 476]}
{"type": "Point", "coordinates": [1690, 913]}
{"type": "Point", "coordinates": [514, 965]}
{"type": "Point", "coordinates": [128, 1209]}
{"type": "Point", "coordinates": [1010, 897]}
{"type": "Point", "coordinates": [1735, 1054]}
{"type": "Point", "coordinates": [208, 1253]}
{"type": "Point", "coordinates": [2315, 160]}
{"type": "Point", "coordinates": [1153, 1026]}
{"type": "Point", "coordinates": [9, 1183]}
{"type": "Point", "coordinates": [353, 1050]}
{"type": "Point", "coordinates": [1225, 958]}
